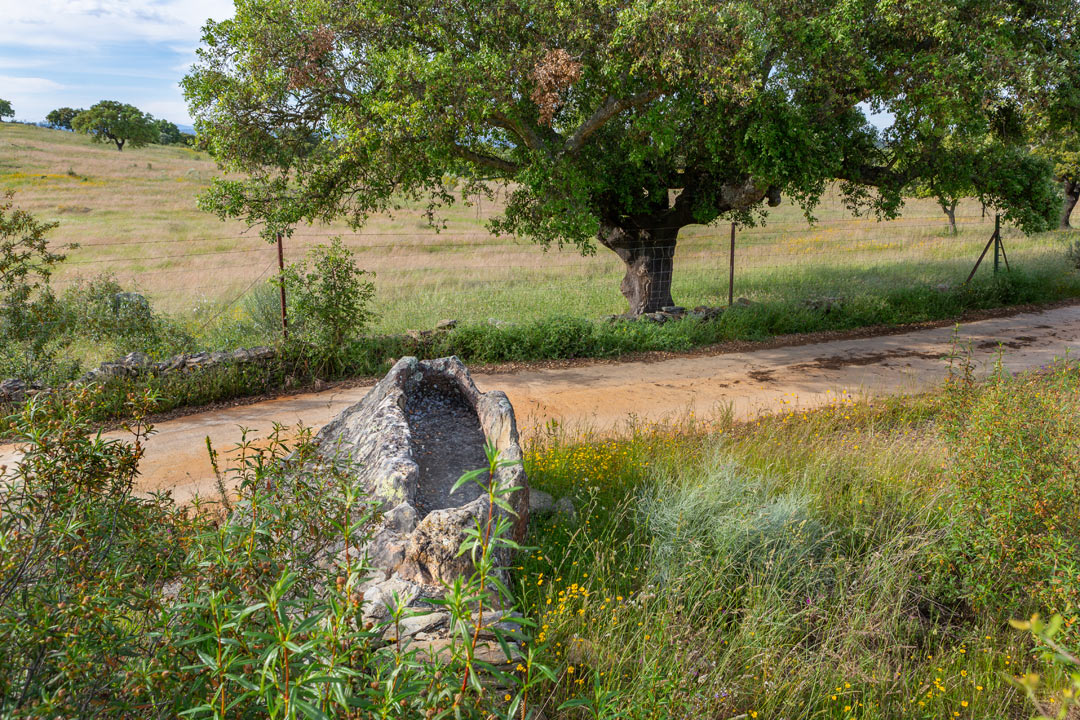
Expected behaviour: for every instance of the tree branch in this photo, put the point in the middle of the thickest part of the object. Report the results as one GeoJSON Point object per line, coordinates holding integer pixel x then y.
{"type": "Point", "coordinates": [525, 134]}
{"type": "Point", "coordinates": [605, 112]}
{"type": "Point", "coordinates": [490, 161]}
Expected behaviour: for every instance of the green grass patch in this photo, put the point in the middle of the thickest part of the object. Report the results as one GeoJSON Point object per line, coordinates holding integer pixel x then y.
{"type": "Point", "coordinates": [829, 564]}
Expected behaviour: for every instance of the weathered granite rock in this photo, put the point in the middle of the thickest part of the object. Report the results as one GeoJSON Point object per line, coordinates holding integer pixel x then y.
{"type": "Point", "coordinates": [136, 360]}
{"type": "Point", "coordinates": [540, 502]}
{"type": "Point", "coordinates": [565, 506]}
{"type": "Point", "coordinates": [408, 441]}
{"type": "Point", "coordinates": [14, 390]}
{"type": "Point", "coordinates": [705, 313]}
{"type": "Point", "coordinates": [824, 304]}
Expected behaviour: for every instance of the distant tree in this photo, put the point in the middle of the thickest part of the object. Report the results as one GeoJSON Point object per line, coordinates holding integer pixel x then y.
{"type": "Point", "coordinates": [190, 139]}
{"type": "Point", "coordinates": [118, 123]}
{"type": "Point", "coordinates": [5, 109]}
{"type": "Point", "coordinates": [1056, 111]}
{"type": "Point", "coordinates": [168, 133]}
{"type": "Point", "coordinates": [61, 118]}
{"type": "Point", "coordinates": [949, 182]}
{"type": "Point", "coordinates": [960, 164]}
{"type": "Point", "coordinates": [1068, 171]}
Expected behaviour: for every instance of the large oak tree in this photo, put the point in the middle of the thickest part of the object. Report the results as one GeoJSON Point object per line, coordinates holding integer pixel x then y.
{"type": "Point", "coordinates": [615, 122]}
{"type": "Point", "coordinates": [118, 123]}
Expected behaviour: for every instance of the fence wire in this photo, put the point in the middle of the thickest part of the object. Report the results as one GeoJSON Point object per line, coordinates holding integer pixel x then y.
{"type": "Point", "coordinates": [826, 257]}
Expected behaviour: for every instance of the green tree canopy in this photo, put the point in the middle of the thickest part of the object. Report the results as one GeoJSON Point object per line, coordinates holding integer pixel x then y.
{"type": "Point", "coordinates": [1056, 112]}
{"type": "Point", "coordinates": [168, 133]}
{"type": "Point", "coordinates": [5, 109]}
{"type": "Point", "coordinates": [118, 123]}
{"type": "Point", "coordinates": [613, 122]}
{"type": "Point", "coordinates": [61, 117]}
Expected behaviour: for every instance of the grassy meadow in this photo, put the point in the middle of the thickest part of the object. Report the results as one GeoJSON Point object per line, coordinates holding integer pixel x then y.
{"type": "Point", "coordinates": [134, 215]}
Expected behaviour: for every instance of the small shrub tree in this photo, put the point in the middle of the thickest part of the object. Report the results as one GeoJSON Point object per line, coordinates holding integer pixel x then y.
{"type": "Point", "coordinates": [330, 300]}
{"type": "Point", "coordinates": [26, 263]}
{"type": "Point", "coordinates": [168, 133]}
{"type": "Point", "coordinates": [1017, 474]}
{"type": "Point", "coordinates": [117, 123]}
{"type": "Point", "coordinates": [61, 118]}
{"type": "Point", "coordinates": [5, 109]}
{"type": "Point", "coordinates": [26, 301]}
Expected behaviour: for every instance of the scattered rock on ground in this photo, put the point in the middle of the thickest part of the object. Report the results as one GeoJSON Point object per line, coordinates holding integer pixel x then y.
{"type": "Point", "coordinates": [136, 360]}
{"type": "Point", "coordinates": [824, 304]}
{"type": "Point", "coordinates": [540, 502]}
{"type": "Point", "coordinates": [15, 390]}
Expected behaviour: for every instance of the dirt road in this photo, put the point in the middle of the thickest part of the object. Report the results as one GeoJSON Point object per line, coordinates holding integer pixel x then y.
{"type": "Point", "coordinates": [603, 396]}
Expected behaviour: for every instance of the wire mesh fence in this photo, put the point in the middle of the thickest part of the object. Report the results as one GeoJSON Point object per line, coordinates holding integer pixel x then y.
{"type": "Point", "coordinates": [424, 277]}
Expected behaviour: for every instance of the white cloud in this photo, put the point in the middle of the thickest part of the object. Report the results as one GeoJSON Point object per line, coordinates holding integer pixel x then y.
{"type": "Point", "coordinates": [92, 23]}
{"type": "Point", "coordinates": [22, 63]}
{"type": "Point", "coordinates": [175, 110]}
{"type": "Point", "coordinates": [75, 52]}
{"type": "Point", "coordinates": [28, 85]}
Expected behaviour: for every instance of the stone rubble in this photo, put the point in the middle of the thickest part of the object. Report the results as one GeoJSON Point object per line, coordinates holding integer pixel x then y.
{"type": "Point", "coordinates": [136, 364]}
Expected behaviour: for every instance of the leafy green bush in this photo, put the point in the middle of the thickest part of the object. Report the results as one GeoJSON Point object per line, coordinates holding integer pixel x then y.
{"type": "Point", "coordinates": [329, 302]}
{"type": "Point", "coordinates": [1017, 473]}
{"type": "Point", "coordinates": [1072, 253]}
{"type": "Point", "coordinates": [112, 605]}
{"type": "Point", "coordinates": [1056, 697]}
{"type": "Point", "coordinates": [262, 306]}
{"type": "Point", "coordinates": [28, 318]}
{"type": "Point", "coordinates": [82, 561]}
{"type": "Point", "coordinates": [99, 309]}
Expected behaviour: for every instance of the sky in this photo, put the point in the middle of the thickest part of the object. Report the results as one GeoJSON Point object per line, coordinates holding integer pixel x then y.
{"type": "Point", "coordinates": [56, 53]}
{"type": "Point", "coordinates": [73, 53]}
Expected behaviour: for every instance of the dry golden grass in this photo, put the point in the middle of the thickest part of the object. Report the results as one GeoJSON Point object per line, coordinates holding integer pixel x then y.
{"type": "Point", "coordinates": [135, 216]}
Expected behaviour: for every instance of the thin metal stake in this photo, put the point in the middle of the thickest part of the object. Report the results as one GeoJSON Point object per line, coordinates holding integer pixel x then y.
{"type": "Point", "coordinates": [993, 238]}
{"type": "Point", "coordinates": [731, 270]}
{"type": "Point", "coordinates": [281, 283]}
{"type": "Point", "coordinates": [997, 243]}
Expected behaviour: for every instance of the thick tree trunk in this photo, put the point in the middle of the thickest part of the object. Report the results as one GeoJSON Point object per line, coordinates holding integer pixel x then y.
{"type": "Point", "coordinates": [950, 212]}
{"type": "Point", "coordinates": [1072, 195]}
{"type": "Point", "coordinates": [648, 254]}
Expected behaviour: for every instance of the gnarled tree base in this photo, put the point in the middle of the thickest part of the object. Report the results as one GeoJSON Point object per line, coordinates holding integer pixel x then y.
{"type": "Point", "coordinates": [649, 256]}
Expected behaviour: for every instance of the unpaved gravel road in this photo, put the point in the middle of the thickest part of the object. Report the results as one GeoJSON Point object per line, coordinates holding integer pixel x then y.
{"type": "Point", "coordinates": [604, 396]}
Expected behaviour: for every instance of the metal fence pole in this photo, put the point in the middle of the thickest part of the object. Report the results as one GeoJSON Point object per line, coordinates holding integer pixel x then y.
{"type": "Point", "coordinates": [281, 284]}
{"type": "Point", "coordinates": [997, 243]}
{"type": "Point", "coordinates": [731, 270]}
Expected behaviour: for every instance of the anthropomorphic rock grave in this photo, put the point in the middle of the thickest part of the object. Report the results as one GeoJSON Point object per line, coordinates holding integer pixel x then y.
{"type": "Point", "coordinates": [407, 442]}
